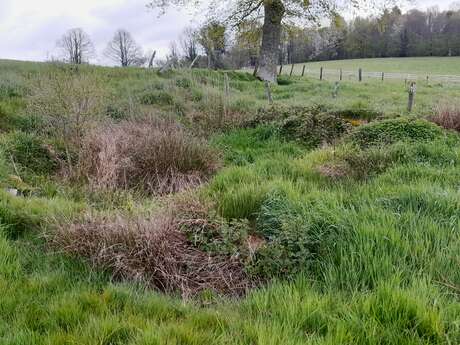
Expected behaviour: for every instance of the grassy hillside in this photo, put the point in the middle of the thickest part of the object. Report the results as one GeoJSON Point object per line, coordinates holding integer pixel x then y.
{"type": "Point", "coordinates": [422, 66]}
{"type": "Point", "coordinates": [161, 209]}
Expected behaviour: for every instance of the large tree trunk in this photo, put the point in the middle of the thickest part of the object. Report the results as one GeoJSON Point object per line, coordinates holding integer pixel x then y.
{"type": "Point", "coordinates": [271, 35]}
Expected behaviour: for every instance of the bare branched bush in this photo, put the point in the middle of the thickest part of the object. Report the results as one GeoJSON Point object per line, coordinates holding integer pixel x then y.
{"type": "Point", "coordinates": [154, 251]}
{"type": "Point", "coordinates": [152, 155]}
{"type": "Point", "coordinates": [71, 102]}
{"type": "Point", "coordinates": [447, 116]}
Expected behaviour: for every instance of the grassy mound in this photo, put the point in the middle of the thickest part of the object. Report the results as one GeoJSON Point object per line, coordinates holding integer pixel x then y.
{"type": "Point", "coordinates": [393, 130]}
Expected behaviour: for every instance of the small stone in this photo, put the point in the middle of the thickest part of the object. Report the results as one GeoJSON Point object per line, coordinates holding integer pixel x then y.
{"type": "Point", "coordinates": [12, 191]}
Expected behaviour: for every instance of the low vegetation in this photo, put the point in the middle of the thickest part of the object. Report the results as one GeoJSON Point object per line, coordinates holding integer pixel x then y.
{"type": "Point", "coordinates": [296, 223]}
{"type": "Point", "coordinates": [151, 155]}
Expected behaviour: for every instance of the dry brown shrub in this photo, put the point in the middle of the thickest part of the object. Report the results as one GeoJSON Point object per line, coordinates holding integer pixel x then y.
{"type": "Point", "coordinates": [152, 155]}
{"type": "Point", "coordinates": [334, 171]}
{"type": "Point", "coordinates": [155, 251]}
{"type": "Point", "coordinates": [447, 116]}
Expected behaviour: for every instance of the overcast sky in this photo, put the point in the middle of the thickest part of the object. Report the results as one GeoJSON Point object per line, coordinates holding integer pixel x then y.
{"type": "Point", "coordinates": [29, 29]}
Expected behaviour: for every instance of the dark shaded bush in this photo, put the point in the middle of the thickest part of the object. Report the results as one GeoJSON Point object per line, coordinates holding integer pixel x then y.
{"type": "Point", "coordinates": [157, 97]}
{"type": "Point", "coordinates": [284, 81]}
{"type": "Point", "coordinates": [359, 111]}
{"type": "Point", "coordinates": [394, 130]}
{"type": "Point", "coordinates": [314, 129]}
{"type": "Point", "coordinates": [311, 126]}
{"type": "Point", "coordinates": [184, 83]}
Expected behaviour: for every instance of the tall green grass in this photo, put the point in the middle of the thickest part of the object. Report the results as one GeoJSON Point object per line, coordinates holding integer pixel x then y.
{"type": "Point", "coordinates": [367, 256]}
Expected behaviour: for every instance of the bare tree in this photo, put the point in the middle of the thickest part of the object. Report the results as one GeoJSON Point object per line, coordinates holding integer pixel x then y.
{"type": "Point", "coordinates": [76, 46]}
{"type": "Point", "coordinates": [189, 44]}
{"type": "Point", "coordinates": [124, 50]}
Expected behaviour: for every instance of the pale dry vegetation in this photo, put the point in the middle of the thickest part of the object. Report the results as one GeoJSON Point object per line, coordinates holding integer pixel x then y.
{"type": "Point", "coordinates": [153, 155]}
{"type": "Point", "coordinates": [70, 103]}
{"type": "Point", "coordinates": [159, 250]}
{"type": "Point", "coordinates": [447, 116]}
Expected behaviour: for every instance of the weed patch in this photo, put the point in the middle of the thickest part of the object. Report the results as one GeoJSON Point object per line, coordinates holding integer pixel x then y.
{"type": "Point", "coordinates": [155, 156]}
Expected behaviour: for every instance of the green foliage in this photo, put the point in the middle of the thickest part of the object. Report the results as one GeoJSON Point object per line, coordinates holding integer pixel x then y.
{"type": "Point", "coordinates": [283, 81]}
{"type": "Point", "coordinates": [184, 83]}
{"type": "Point", "coordinates": [19, 214]}
{"type": "Point", "coordinates": [314, 129]}
{"type": "Point", "coordinates": [11, 86]}
{"type": "Point", "coordinates": [244, 146]}
{"type": "Point", "coordinates": [359, 110]}
{"type": "Point", "coordinates": [369, 256]}
{"type": "Point", "coordinates": [310, 126]}
{"type": "Point", "coordinates": [394, 130]}
{"type": "Point", "coordinates": [29, 152]}
{"type": "Point", "coordinates": [157, 97]}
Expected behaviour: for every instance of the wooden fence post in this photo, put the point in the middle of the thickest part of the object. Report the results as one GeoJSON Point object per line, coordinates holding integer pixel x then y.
{"type": "Point", "coordinates": [321, 73]}
{"type": "Point", "coordinates": [292, 69]}
{"type": "Point", "coordinates": [303, 70]}
{"type": "Point", "coordinates": [335, 90]}
{"type": "Point", "coordinates": [268, 92]}
{"type": "Point", "coordinates": [152, 57]}
{"type": "Point", "coordinates": [383, 76]}
{"type": "Point", "coordinates": [360, 74]}
{"type": "Point", "coordinates": [341, 74]}
{"type": "Point", "coordinates": [227, 85]}
{"type": "Point", "coordinates": [412, 91]}
{"type": "Point", "coordinates": [281, 70]}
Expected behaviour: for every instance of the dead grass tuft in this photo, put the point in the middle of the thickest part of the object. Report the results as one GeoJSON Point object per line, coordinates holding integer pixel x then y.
{"type": "Point", "coordinates": [153, 251]}
{"type": "Point", "coordinates": [152, 155]}
{"type": "Point", "coordinates": [447, 116]}
{"type": "Point", "coordinates": [334, 171]}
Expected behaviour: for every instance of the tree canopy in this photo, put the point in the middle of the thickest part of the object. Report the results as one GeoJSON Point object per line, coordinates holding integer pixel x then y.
{"type": "Point", "coordinates": [273, 13]}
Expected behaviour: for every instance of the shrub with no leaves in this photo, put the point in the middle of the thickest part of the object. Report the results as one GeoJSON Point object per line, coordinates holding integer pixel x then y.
{"type": "Point", "coordinates": [156, 251]}
{"type": "Point", "coordinates": [152, 155]}
{"type": "Point", "coordinates": [69, 100]}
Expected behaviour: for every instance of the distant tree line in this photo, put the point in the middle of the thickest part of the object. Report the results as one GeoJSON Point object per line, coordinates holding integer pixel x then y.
{"type": "Point", "coordinates": [215, 45]}
{"type": "Point", "coordinates": [392, 34]}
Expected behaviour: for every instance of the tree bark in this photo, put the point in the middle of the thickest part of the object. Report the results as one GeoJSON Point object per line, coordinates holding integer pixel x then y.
{"type": "Point", "coordinates": [271, 35]}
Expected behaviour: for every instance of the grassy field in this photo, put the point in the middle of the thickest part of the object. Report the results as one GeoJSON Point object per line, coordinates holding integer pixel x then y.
{"type": "Point", "coordinates": [421, 66]}
{"type": "Point", "coordinates": [339, 215]}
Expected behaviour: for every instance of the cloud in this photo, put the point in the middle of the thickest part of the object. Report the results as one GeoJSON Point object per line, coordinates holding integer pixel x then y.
{"type": "Point", "coordinates": [29, 30]}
